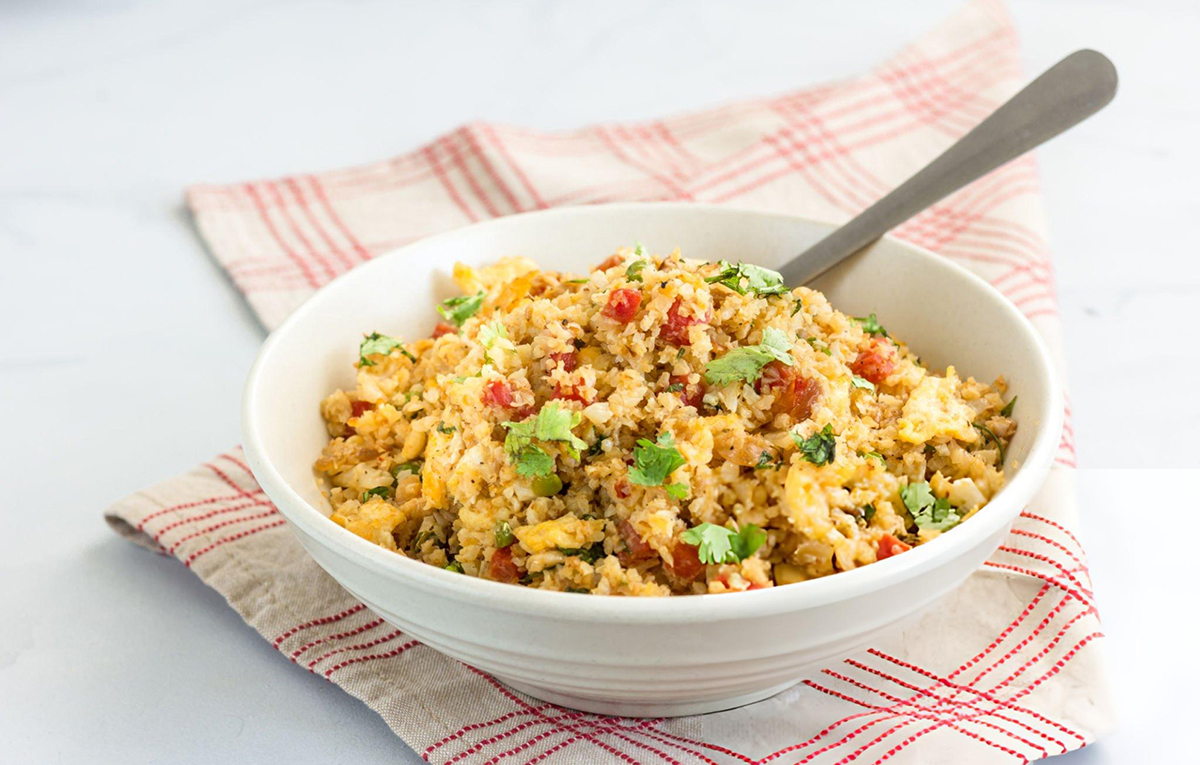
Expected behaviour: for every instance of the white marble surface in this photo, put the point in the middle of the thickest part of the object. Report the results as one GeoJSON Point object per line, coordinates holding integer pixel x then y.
{"type": "Point", "coordinates": [123, 348]}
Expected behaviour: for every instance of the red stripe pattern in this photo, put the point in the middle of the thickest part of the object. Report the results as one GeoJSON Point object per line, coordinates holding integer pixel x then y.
{"type": "Point", "coordinates": [1031, 687]}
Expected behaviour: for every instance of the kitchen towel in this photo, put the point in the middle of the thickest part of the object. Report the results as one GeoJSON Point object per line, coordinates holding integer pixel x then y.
{"type": "Point", "coordinates": [1008, 667]}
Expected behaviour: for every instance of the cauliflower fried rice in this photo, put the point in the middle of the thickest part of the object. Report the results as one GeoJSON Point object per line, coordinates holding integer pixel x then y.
{"type": "Point", "coordinates": [660, 426]}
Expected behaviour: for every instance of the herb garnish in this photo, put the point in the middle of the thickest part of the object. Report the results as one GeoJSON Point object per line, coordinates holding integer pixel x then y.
{"type": "Point", "coordinates": [817, 448]}
{"type": "Point", "coordinates": [870, 325]}
{"type": "Point", "coordinates": [762, 281]}
{"type": "Point", "coordinates": [552, 423]}
{"type": "Point", "coordinates": [445, 429]}
{"type": "Point", "coordinates": [458, 309]}
{"type": "Point", "coordinates": [768, 460]}
{"type": "Point", "coordinates": [454, 566]}
{"type": "Point", "coordinates": [818, 346]}
{"type": "Point", "coordinates": [383, 492]}
{"type": "Point", "coordinates": [985, 430]}
{"type": "Point", "coordinates": [412, 466]}
{"type": "Point", "coordinates": [585, 554]}
{"type": "Point", "coordinates": [872, 455]}
{"type": "Point", "coordinates": [654, 462]}
{"type": "Point", "coordinates": [862, 382]}
{"type": "Point", "coordinates": [1008, 408]}
{"type": "Point", "coordinates": [675, 387]}
{"type": "Point", "coordinates": [868, 513]}
{"type": "Point", "coordinates": [928, 512]}
{"type": "Point", "coordinates": [634, 272]}
{"type": "Point", "coordinates": [382, 344]}
{"type": "Point", "coordinates": [746, 363]}
{"type": "Point", "coordinates": [721, 545]}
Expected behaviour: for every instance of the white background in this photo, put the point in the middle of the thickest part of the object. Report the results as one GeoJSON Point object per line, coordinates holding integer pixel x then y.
{"type": "Point", "coordinates": [123, 347]}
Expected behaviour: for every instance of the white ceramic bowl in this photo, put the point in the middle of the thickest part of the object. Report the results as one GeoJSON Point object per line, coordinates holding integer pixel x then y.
{"type": "Point", "coordinates": [649, 656]}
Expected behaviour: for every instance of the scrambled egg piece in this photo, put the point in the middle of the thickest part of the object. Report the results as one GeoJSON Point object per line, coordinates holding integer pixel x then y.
{"type": "Point", "coordinates": [567, 531]}
{"type": "Point", "coordinates": [373, 521]}
{"type": "Point", "coordinates": [934, 410]}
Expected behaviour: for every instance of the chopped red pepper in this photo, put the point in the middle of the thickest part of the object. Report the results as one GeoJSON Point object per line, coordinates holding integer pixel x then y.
{"type": "Point", "coordinates": [568, 393]}
{"type": "Point", "coordinates": [622, 488]}
{"type": "Point", "coordinates": [622, 305]}
{"type": "Point", "coordinates": [568, 360]}
{"type": "Point", "coordinates": [357, 408]}
{"type": "Point", "coordinates": [889, 546]}
{"type": "Point", "coordinates": [876, 361]}
{"type": "Point", "coordinates": [443, 328]}
{"type": "Point", "coordinates": [794, 393]}
{"type": "Point", "coordinates": [675, 329]}
{"type": "Point", "coordinates": [497, 393]}
{"type": "Point", "coordinates": [502, 568]}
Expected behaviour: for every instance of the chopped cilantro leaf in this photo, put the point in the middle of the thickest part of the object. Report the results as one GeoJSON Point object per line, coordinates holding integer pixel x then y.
{"type": "Point", "coordinates": [383, 492]}
{"type": "Point", "coordinates": [991, 434]}
{"type": "Point", "coordinates": [597, 447]}
{"type": "Point", "coordinates": [797, 306]}
{"type": "Point", "coordinates": [675, 387]}
{"type": "Point", "coordinates": [454, 566]}
{"type": "Point", "coordinates": [578, 281]}
{"type": "Point", "coordinates": [1008, 408]}
{"type": "Point", "coordinates": [458, 309]}
{"type": "Point", "coordinates": [868, 513]}
{"type": "Point", "coordinates": [862, 382]}
{"type": "Point", "coordinates": [721, 545]}
{"type": "Point", "coordinates": [585, 554]}
{"type": "Point", "coordinates": [873, 456]}
{"type": "Point", "coordinates": [445, 429]}
{"type": "Point", "coordinates": [761, 281]}
{"type": "Point", "coordinates": [768, 460]}
{"type": "Point", "coordinates": [746, 363]}
{"type": "Point", "coordinates": [870, 325]}
{"type": "Point", "coordinates": [654, 462]}
{"type": "Point", "coordinates": [817, 448]}
{"type": "Point", "coordinates": [639, 251]}
{"type": "Point", "coordinates": [412, 466]}
{"type": "Point", "coordinates": [634, 272]}
{"type": "Point", "coordinates": [818, 346]}
{"type": "Point", "coordinates": [928, 512]}
{"type": "Point", "coordinates": [552, 423]}
{"type": "Point", "coordinates": [376, 343]}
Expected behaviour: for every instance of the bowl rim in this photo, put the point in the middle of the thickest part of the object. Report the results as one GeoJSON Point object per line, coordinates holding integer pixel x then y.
{"type": "Point", "coordinates": [843, 586]}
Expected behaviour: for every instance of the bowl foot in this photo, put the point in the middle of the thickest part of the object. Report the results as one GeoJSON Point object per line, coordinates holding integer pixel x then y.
{"type": "Point", "coordinates": [635, 708]}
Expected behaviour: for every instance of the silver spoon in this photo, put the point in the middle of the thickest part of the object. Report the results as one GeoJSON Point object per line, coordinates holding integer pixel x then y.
{"type": "Point", "coordinates": [1066, 94]}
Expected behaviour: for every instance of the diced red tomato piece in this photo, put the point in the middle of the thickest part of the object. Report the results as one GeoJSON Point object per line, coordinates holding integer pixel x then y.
{"type": "Point", "coordinates": [568, 393]}
{"type": "Point", "coordinates": [794, 393]}
{"type": "Point", "coordinates": [889, 546]}
{"type": "Point", "coordinates": [876, 361]}
{"type": "Point", "coordinates": [525, 412]}
{"type": "Point", "coordinates": [357, 408]}
{"type": "Point", "coordinates": [622, 488]}
{"type": "Point", "coordinates": [443, 328]}
{"type": "Point", "coordinates": [686, 561]}
{"type": "Point", "coordinates": [497, 393]}
{"type": "Point", "coordinates": [691, 395]}
{"type": "Point", "coordinates": [612, 261]}
{"type": "Point", "coordinates": [622, 304]}
{"type": "Point", "coordinates": [502, 568]}
{"type": "Point", "coordinates": [568, 360]}
{"type": "Point", "coordinates": [636, 548]}
{"type": "Point", "coordinates": [675, 329]}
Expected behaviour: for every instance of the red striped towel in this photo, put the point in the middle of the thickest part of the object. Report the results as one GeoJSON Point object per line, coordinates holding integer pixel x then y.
{"type": "Point", "coordinates": [1008, 668]}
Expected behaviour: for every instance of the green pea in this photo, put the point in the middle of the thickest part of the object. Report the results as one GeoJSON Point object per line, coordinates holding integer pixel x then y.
{"type": "Point", "coordinates": [504, 535]}
{"type": "Point", "coordinates": [547, 485]}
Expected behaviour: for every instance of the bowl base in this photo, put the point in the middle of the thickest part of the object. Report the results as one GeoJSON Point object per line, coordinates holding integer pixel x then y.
{"type": "Point", "coordinates": [629, 708]}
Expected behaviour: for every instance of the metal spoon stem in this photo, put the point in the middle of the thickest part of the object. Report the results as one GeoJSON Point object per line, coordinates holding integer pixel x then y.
{"type": "Point", "coordinates": [1066, 94]}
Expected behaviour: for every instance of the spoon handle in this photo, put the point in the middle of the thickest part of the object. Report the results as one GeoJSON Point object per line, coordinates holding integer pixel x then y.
{"type": "Point", "coordinates": [1068, 93]}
